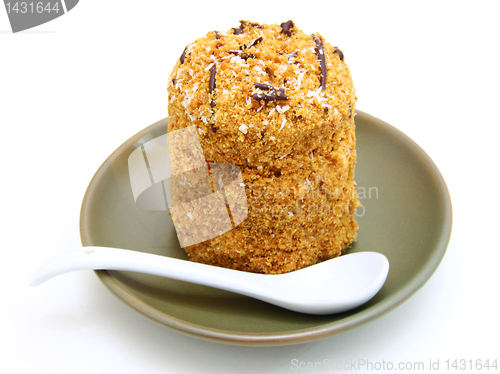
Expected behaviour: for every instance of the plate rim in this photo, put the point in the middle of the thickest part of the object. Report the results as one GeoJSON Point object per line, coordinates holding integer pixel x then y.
{"type": "Point", "coordinates": [283, 337]}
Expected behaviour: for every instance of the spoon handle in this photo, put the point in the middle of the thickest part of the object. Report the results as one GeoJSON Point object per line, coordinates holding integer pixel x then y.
{"type": "Point", "coordinates": [104, 258]}
{"type": "Point", "coordinates": [332, 286]}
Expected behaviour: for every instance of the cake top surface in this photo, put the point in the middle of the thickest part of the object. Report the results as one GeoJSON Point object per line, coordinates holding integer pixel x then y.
{"type": "Point", "coordinates": [260, 86]}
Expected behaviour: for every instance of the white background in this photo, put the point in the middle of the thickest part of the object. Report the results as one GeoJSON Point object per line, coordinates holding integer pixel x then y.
{"type": "Point", "coordinates": [74, 89]}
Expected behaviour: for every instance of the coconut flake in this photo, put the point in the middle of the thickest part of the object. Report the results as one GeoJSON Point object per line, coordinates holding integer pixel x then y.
{"type": "Point", "coordinates": [259, 70]}
{"type": "Point", "coordinates": [283, 109]}
{"type": "Point", "coordinates": [283, 123]}
{"type": "Point", "coordinates": [297, 81]}
{"type": "Point", "coordinates": [178, 83]}
{"type": "Point", "coordinates": [207, 68]}
{"type": "Point", "coordinates": [282, 68]}
{"type": "Point", "coordinates": [243, 128]}
{"type": "Point", "coordinates": [291, 57]}
{"type": "Point", "coordinates": [237, 59]}
{"type": "Point", "coordinates": [316, 94]}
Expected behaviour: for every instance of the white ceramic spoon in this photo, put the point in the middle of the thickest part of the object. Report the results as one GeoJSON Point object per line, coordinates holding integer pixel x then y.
{"type": "Point", "coordinates": [332, 286]}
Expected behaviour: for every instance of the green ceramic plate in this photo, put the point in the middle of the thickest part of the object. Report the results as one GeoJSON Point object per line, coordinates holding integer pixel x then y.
{"type": "Point", "coordinates": [406, 215]}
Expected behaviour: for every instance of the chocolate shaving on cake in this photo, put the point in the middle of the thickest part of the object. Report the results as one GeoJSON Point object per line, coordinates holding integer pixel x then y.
{"type": "Point", "coordinates": [244, 24]}
{"type": "Point", "coordinates": [339, 52]}
{"type": "Point", "coordinates": [183, 56]}
{"type": "Point", "coordinates": [263, 86]}
{"type": "Point", "coordinates": [245, 56]}
{"type": "Point", "coordinates": [237, 30]}
{"type": "Point", "coordinates": [285, 28]}
{"type": "Point", "coordinates": [217, 35]}
{"type": "Point", "coordinates": [271, 96]}
{"type": "Point", "coordinates": [269, 72]}
{"type": "Point", "coordinates": [321, 57]}
{"type": "Point", "coordinates": [254, 42]}
{"type": "Point", "coordinates": [274, 93]}
{"type": "Point", "coordinates": [211, 88]}
{"type": "Point", "coordinates": [211, 82]}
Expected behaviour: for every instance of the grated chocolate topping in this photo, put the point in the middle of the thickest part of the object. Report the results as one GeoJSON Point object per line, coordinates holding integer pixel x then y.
{"type": "Point", "coordinates": [183, 56]}
{"type": "Point", "coordinates": [245, 56]}
{"type": "Point", "coordinates": [254, 42]}
{"type": "Point", "coordinates": [285, 27]}
{"type": "Point", "coordinates": [321, 57]}
{"type": "Point", "coordinates": [274, 93]}
{"type": "Point", "coordinates": [339, 52]}
{"type": "Point", "coordinates": [211, 82]}
{"type": "Point", "coordinates": [244, 24]}
{"type": "Point", "coordinates": [237, 30]}
{"type": "Point", "coordinates": [211, 88]}
{"type": "Point", "coordinates": [263, 86]}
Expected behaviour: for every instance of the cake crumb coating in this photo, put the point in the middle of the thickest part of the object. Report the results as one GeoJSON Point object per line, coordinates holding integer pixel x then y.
{"type": "Point", "coordinates": [279, 103]}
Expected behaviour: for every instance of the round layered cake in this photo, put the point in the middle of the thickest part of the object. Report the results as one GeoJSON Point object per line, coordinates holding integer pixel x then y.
{"type": "Point", "coordinates": [279, 104]}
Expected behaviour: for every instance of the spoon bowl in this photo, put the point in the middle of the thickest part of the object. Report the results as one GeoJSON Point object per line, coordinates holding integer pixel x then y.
{"type": "Point", "coordinates": [332, 286]}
